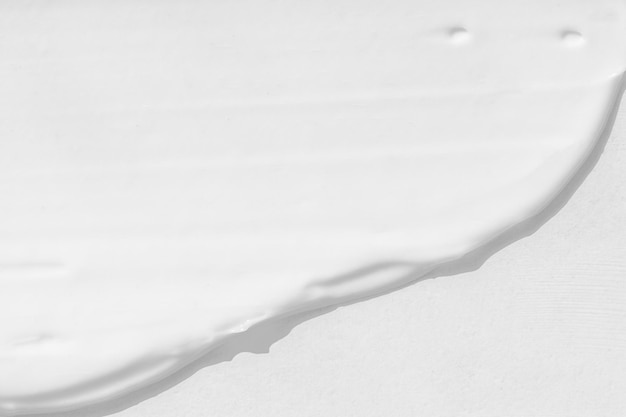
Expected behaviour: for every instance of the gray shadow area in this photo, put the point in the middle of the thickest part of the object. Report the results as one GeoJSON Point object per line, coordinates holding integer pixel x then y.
{"type": "Point", "coordinates": [259, 338]}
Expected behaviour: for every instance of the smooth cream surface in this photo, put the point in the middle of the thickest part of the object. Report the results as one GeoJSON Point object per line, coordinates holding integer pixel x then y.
{"type": "Point", "coordinates": [172, 173]}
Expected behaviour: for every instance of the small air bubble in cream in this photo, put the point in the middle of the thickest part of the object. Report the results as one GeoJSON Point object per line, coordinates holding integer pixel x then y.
{"type": "Point", "coordinates": [459, 35]}
{"type": "Point", "coordinates": [572, 38]}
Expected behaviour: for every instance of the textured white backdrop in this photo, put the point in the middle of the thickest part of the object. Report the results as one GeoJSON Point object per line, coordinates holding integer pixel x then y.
{"type": "Point", "coordinates": [538, 330]}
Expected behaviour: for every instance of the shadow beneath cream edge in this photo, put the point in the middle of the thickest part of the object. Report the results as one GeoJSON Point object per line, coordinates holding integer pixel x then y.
{"type": "Point", "coordinates": [259, 338]}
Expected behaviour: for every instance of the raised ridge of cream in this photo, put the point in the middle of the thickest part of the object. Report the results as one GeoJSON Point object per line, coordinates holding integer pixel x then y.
{"type": "Point", "coordinates": [172, 173]}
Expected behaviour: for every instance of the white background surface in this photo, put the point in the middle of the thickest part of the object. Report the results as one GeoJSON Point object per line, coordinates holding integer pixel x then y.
{"type": "Point", "coordinates": [538, 330]}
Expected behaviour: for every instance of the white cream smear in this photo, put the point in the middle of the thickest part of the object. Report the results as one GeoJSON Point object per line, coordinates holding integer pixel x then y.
{"type": "Point", "coordinates": [173, 172]}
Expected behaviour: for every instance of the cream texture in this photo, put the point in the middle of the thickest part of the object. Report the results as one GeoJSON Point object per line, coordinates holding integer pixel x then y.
{"type": "Point", "coordinates": [175, 172]}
